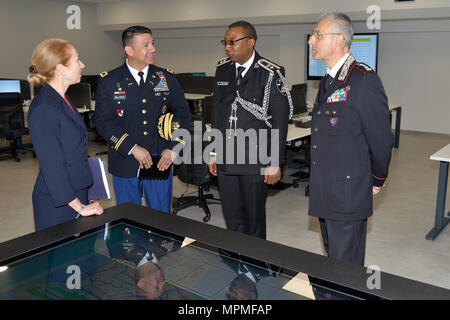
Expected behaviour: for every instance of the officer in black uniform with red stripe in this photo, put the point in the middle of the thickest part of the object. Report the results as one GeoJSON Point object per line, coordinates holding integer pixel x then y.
{"type": "Point", "coordinates": [351, 141]}
{"type": "Point", "coordinates": [129, 101]}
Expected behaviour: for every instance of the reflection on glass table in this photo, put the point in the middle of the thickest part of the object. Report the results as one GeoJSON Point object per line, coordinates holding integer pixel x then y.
{"type": "Point", "coordinates": [124, 261]}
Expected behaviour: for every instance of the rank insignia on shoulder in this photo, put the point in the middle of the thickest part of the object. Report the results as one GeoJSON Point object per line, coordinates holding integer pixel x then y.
{"type": "Point", "coordinates": [103, 74]}
{"type": "Point", "coordinates": [170, 70]}
{"type": "Point", "coordinates": [270, 66]}
{"type": "Point", "coordinates": [223, 61]}
{"type": "Point", "coordinates": [364, 66]}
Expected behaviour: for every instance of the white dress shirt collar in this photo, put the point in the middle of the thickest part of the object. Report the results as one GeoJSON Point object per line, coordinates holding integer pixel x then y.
{"type": "Point", "coordinates": [146, 259]}
{"type": "Point", "coordinates": [333, 71]}
{"type": "Point", "coordinates": [246, 65]}
{"type": "Point", "coordinates": [135, 73]}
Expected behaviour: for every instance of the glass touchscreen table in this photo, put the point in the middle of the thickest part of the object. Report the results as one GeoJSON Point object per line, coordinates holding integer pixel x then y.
{"type": "Point", "coordinates": [126, 261]}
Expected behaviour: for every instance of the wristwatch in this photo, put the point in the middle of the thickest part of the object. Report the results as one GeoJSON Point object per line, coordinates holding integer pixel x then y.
{"type": "Point", "coordinates": [80, 210]}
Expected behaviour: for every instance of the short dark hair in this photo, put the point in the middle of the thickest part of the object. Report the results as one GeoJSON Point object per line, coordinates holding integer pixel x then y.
{"type": "Point", "coordinates": [247, 26]}
{"type": "Point", "coordinates": [129, 33]}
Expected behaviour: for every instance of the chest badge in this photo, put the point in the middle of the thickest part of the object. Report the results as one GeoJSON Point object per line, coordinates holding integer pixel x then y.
{"type": "Point", "coordinates": [340, 95]}
{"type": "Point", "coordinates": [333, 121]}
{"type": "Point", "coordinates": [162, 85]}
{"type": "Point", "coordinates": [120, 112]}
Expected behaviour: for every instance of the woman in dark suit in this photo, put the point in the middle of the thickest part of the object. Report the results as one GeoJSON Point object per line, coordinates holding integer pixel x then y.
{"type": "Point", "coordinates": [59, 137]}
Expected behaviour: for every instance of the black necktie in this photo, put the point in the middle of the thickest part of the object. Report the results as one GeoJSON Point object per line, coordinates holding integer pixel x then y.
{"type": "Point", "coordinates": [141, 82]}
{"type": "Point", "coordinates": [327, 83]}
{"type": "Point", "coordinates": [239, 75]}
{"type": "Point", "coordinates": [329, 80]}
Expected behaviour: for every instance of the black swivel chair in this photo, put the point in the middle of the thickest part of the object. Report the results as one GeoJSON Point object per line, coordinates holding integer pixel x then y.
{"type": "Point", "coordinates": [195, 173]}
{"type": "Point", "coordinates": [298, 92]}
{"type": "Point", "coordinates": [303, 86]}
{"type": "Point", "coordinates": [303, 176]}
{"type": "Point", "coordinates": [12, 124]}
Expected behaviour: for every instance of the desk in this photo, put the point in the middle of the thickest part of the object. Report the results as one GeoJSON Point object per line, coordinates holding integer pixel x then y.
{"type": "Point", "coordinates": [443, 156]}
{"type": "Point", "coordinates": [195, 270]}
{"type": "Point", "coordinates": [398, 115]}
{"type": "Point", "coordinates": [196, 96]}
{"type": "Point", "coordinates": [296, 133]}
{"type": "Point", "coordinates": [86, 110]}
{"type": "Point", "coordinates": [82, 111]}
{"type": "Point", "coordinates": [199, 100]}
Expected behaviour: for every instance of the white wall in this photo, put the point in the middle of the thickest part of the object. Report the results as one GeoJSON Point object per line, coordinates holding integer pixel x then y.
{"type": "Point", "coordinates": [413, 57]}
{"type": "Point", "coordinates": [25, 23]}
{"type": "Point", "coordinates": [413, 62]}
{"type": "Point", "coordinates": [196, 13]}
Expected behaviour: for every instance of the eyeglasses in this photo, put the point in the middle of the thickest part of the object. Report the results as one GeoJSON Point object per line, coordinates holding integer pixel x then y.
{"type": "Point", "coordinates": [318, 35]}
{"type": "Point", "coordinates": [233, 42]}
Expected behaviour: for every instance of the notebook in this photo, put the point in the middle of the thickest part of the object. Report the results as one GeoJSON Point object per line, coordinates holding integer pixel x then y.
{"type": "Point", "coordinates": [153, 173]}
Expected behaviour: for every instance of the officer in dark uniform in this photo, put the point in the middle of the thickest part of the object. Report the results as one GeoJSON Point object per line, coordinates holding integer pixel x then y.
{"type": "Point", "coordinates": [248, 274]}
{"type": "Point", "coordinates": [250, 96]}
{"type": "Point", "coordinates": [129, 101]}
{"type": "Point", "coordinates": [128, 266]}
{"type": "Point", "coordinates": [351, 141]}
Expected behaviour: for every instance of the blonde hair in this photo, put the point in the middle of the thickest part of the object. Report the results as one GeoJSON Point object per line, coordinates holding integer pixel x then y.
{"type": "Point", "coordinates": [46, 56]}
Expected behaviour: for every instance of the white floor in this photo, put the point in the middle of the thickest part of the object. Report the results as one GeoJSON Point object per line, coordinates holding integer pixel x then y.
{"type": "Point", "coordinates": [404, 211]}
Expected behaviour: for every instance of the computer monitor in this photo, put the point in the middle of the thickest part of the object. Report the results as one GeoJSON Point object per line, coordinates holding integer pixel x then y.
{"type": "Point", "coordinates": [364, 48]}
{"type": "Point", "coordinates": [10, 99]}
{"type": "Point", "coordinates": [92, 80]}
{"type": "Point", "coordinates": [196, 84]}
{"type": "Point", "coordinates": [9, 86]}
{"type": "Point", "coordinates": [298, 95]}
{"type": "Point", "coordinates": [199, 74]}
{"type": "Point", "coordinates": [80, 95]}
{"type": "Point", "coordinates": [25, 89]}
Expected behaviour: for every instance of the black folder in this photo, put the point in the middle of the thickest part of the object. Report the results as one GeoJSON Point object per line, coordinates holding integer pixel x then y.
{"type": "Point", "coordinates": [153, 173]}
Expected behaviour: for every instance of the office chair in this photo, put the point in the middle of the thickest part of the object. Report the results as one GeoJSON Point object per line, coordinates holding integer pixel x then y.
{"type": "Point", "coordinates": [92, 80]}
{"type": "Point", "coordinates": [25, 89]}
{"type": "Point", "coordinates": [303, 86]}
{"type": "Point", "coordinates": [12, 124]}
{"type": "Point", "coordinates": [303, 176]}
{"type": "Point", "coordinates": [195, 173]}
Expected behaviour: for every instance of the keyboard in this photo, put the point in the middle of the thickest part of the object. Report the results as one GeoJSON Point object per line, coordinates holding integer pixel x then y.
{"type": "Point", "coordinates": [303, 124]}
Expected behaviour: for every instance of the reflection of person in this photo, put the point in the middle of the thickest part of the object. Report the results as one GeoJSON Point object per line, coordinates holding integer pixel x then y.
{"type": "Point", "coordinates": [259, 102]}
{"type": "Point", "coordinates": [151, 278]}
{"type": "Point", "coordinates": [59, 137]}
{"type": "Point", "coordinates": [129, 101]}
{"type": "Point", "coordinates": [132, 266]}
{"type": "Point", "coordinates": [243, 286]}
{"type": "Point", "coordinates": [351, 141]}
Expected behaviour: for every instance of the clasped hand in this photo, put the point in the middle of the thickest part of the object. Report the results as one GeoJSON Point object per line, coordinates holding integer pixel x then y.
{"type": "Point", "coordinates": [94, 208]}
{"type": "Point", "coordinates": [145, 159]}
